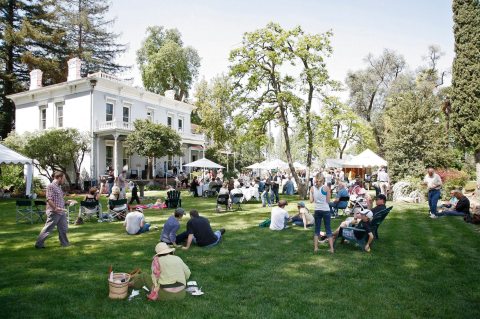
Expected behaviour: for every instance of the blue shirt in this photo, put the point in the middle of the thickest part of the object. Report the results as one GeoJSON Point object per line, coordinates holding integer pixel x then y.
{"type": "Point", "coordinates": [169, 232]}
{"type": "Point", "coordinates": [342, 193]}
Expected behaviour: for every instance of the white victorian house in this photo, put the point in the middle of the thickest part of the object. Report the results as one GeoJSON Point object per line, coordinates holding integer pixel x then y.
{"type": "Point", "coordinates": [106, 107]}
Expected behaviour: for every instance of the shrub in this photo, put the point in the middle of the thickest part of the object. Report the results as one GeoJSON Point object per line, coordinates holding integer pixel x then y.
{"type": "Point", "coordinates": [452, 179]}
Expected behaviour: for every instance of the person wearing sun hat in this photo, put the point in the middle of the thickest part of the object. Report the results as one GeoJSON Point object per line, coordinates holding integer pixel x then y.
{"type": "Point", "coordinates": [169, 274]}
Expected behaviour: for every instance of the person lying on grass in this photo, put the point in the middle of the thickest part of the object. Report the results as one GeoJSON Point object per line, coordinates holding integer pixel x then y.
{"type": "Point", "coordinates": [135, 222]}
{"type": "Point", "coordinates": [168, 278]}
{"type": "Point", "coordinates": [199, 232]}
{"type": "Point", "coordinates": [363, 218]}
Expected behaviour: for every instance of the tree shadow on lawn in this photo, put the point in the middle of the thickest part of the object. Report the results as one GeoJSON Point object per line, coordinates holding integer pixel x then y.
{"type": "Point", "coordinates": [419, 268]}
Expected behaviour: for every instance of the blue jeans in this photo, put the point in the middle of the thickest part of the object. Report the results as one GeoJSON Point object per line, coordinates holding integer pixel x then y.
{"type": "Point", "coordinates": [450, 213]}
{"type": "Point", "coordinates": [433, 197]}
{"type": "Point", "coordinates": [325, 215]}
{"type": "Point", "coordinates": [217, 234]}
{"type": "Point", "coordinates": [339, 205]}
{"type": "Point", "coordinates": [144, 229]}
{"type": "Point", "coordinates": [275, 194]}
{"type": "Point", "coordinates": [266, 198]}
{"type": "Point", "coordinates": [298, 221]}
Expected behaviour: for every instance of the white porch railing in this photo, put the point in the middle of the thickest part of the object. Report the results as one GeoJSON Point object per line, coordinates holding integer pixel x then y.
{"type": "Point", "coordinates": [109, 77]}
{"type": "Point", "coordinates": [115, 125]}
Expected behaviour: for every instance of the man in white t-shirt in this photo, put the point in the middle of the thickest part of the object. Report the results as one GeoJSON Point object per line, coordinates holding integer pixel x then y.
{"type": "Point", "coordinates": [434, 185]}
{"type": "Point", "coordinates": [279, 217]}
{"type": "Point", "coordinates": [135, 222]}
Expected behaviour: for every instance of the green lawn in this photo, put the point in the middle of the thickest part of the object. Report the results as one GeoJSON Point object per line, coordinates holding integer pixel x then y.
{"type": "Point", "coordinates": [419, 268]}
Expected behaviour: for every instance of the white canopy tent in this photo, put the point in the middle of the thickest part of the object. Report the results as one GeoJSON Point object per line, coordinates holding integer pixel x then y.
{"type": "Point", "coordinates": [274, 164]}
{"type": "Point", "coordinates": [8, 156]}
{"type": "Point", "coordinates": [298, 165]}
{"type": "Point", "coordinates": [205, 163]}
{"type": "Point", "coordinates": [254, 166]}
{"type": "Point", "coordinates": [365, 159]}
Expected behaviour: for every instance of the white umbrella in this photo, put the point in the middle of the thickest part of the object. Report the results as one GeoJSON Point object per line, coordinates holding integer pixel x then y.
{"type": "Point", "coordinates": [274, 164]}
{"type": "Point", "coordinates": [205, 163]}
{"type": "Point", "coordinates": [299, 165]}
{"type": "Point", "coordinates": [366, 159]}
{"type": "Point", "coordinates": [254, 166]}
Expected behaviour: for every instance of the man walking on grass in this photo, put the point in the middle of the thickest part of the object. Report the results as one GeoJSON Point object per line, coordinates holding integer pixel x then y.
{"type": "Point", "coordinates": [55, 211]}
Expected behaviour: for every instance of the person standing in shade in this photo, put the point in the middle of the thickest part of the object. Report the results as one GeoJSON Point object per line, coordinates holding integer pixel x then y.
{"type": "Point", "coordinates": [383, 181]}
{"type": "Point", "coordinates": [110, 181]}
{"type": "Point", "coordinates": [56, 213]}
{"type": "Point", "coordinates": [434, 185]}
{"type": "Point", "coordinates": [320, 194]}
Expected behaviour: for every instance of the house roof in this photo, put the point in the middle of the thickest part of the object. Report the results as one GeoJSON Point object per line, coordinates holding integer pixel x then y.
{"type": "Point", "coordinates": [104, 82]}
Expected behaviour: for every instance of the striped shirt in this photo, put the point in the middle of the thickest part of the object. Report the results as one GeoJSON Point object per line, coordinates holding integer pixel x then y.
{"type": "Point", "coordinates": [55, 194]}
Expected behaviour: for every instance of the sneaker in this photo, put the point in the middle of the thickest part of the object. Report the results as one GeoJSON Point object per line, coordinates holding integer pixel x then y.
{"type": "Point", "coordinates": [222, 231]}
{"type": "Point", "coordinates": [433, 216]}
{"type": "Point", "coordinates": [39, 247]}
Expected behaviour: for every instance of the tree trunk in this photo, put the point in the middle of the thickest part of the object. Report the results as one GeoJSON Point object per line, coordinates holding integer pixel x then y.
{"type": "Point", "coordinates": [477, 164]}
{"type": "Point", "coordinates": [149, 168]}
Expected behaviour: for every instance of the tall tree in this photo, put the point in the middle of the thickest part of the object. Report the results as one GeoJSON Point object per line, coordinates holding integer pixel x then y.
{"type": "Point", "coordinates": [269, 91]}
{"type": "Point", "coordinates": [340, 128]}
{"type": "Point", "coordinates": [414, 134]}
{"type": "Point", "coordinates": [28, 40]}
{"type": "Point", "coordinates": [165, 64]}
{"type": "Point", "coordinates": [466, 77]}
{"type": "Point", "coordinates": [153, 141]}
{"type": "Point", "coordinates": [369, 88]}
{"type": "Point", "coordinates": [88, 35]}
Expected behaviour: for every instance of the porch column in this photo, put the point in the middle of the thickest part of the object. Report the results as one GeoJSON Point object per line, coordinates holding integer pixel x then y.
{"type": "Point", "coordinates": [115, 154]}
{"type": "Point", "coordinates": [97, 160]}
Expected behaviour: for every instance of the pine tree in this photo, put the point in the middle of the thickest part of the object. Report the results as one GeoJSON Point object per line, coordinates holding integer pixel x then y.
{"type": "Point", "coordinates": [88, 36]}
{"type": "Point", "coordinates": [466, 77]}
{"type": "Point", "coordinates": [26, 42]}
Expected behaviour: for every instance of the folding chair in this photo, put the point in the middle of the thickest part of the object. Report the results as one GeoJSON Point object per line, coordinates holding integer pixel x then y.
{"type": "Point", "coordinates": [222, 200]}
{"type": "Point", "coordinates": [24, 211]}
{"type": "Point", "coordinates": [89, 209]}
{"type": "Point", "coordinates": [237, 199]}
{"type": "Point", "coordinates": [341, 205]}
{"type": "Point", "coordinates": [40, 209]}
{"type": "Point", "coordinates": [118, 209]}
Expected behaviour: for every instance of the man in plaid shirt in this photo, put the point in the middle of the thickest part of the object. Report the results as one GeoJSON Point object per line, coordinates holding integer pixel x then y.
{"type": "Point", "coordinates": [55, 213]}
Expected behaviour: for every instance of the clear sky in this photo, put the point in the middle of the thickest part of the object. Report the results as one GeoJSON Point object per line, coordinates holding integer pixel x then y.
{"type": "Point", "coordinates": [214, 27]}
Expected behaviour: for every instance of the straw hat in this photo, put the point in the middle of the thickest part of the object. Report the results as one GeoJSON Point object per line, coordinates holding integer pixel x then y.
{"type": "Point", "coordinates": [162, 248]}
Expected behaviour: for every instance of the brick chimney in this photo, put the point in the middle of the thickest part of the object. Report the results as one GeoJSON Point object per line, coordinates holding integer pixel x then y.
{"type": "Point", "coordinates": [170, 94]}
{"type": "Point", "coordinates": [74, 67]}
{"type": "Point", "coordinates": [35, 79]}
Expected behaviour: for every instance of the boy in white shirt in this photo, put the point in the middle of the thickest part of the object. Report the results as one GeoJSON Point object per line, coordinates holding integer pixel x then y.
{"type": "Point", "coordinates": [279, 216]}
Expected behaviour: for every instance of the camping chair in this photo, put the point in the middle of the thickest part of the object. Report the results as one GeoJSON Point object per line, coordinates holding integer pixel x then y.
{"type": "Point", "coordinates": [118, 209]}
{"type": "Point", "coordinates": [348, 233]}
{"type": "Point", "coordinates": [212, 190]}
{"type": "Point", "coordinates": [89, 209]}
{"type": "Point", "coordinates": [24, 211]}
{"type": "Point", "coordinates": [40, 209]}
{"type": "Point", "coordinates": [173, 199]}
{"type": "Point", "coordinates": [237, 199]}
{"type": "Point", "coordinates": [341, 205]}
{"type": "Point", "coordinates": [223, 200]}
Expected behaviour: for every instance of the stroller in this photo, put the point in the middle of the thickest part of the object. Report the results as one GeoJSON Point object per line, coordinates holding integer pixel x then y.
{"type": "Point", "coordinates": [223, 200]}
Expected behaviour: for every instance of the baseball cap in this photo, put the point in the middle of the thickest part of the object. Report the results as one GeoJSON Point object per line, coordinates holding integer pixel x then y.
{"type": "Point", "coordinates": [367, 213]}
{"type": "Point", "coordinates": [382, 196]}
{"type": "Point", "coordinates": [180, 210]}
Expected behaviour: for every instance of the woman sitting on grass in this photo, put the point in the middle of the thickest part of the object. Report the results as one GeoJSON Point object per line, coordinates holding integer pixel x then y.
{"type": "Point", "coordinates": [169, 275]}
{"type": "Point", "coordinates": [303, 218]}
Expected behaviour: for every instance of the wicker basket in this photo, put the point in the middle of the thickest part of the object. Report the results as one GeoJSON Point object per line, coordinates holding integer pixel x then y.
{"type": "Point", "coordinates": [119, 290]}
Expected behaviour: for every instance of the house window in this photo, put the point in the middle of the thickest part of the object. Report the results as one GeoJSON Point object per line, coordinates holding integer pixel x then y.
{"type": "Point", "coordinates": [180, 124]}
{"type": "Point", "coordinates": [109, 112]}
{"type": "Point", "coordinates": [169, 121]}
{"type": "Point", "coordinates": [126, 159]}
{"type": "Point", "coordinates": [150, 115]}
{"type": "Point", "coordinates": [43, 118]}
{"type": "Point", "coordinates": [59, 107]}
{"type": "Point", "coordinates": [126, 114]}
{"type": "Point", "coordinates": [109, 156]}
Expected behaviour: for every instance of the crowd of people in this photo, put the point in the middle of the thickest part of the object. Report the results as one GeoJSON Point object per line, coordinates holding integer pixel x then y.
{"type": "Point", "coordinates": [169, 273]}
